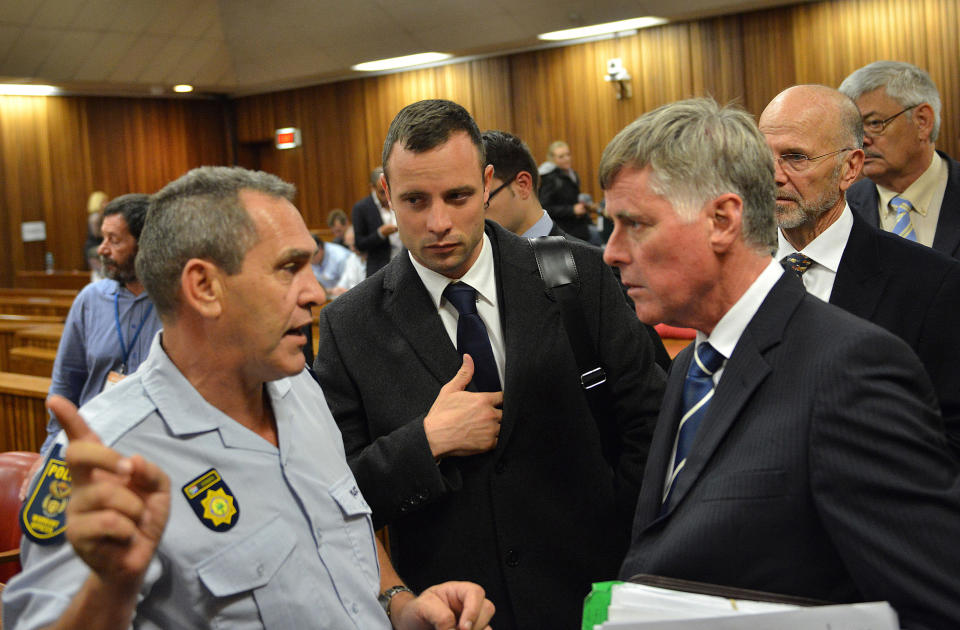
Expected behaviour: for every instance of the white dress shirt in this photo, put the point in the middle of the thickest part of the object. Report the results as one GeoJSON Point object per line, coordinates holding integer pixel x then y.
{"type": "Point", "coordinates": [826, 251]}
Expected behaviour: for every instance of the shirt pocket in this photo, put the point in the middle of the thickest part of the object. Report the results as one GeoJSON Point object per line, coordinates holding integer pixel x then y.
{"type": "Point", "coordinates": [247, 580]}
{"type": "Point", "coordinates": [358, 525]}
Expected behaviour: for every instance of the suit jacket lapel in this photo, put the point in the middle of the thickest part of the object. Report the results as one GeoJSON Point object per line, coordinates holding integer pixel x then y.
{"type": "Point", "coordinates": [861, 276]}
{"type": "Point", "coordinates": [742, 374]}
{"type": "Point", "coordinates": [520, 320]}
{"type": "Point", "coordinates": [407, 303]}
{"type": "Point", "coordinates": [947, 237]}
{"type": "Point", "coordinates": [658, 461]}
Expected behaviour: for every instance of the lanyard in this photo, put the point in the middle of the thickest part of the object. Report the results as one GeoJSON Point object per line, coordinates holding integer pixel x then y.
{"type": "Point", "coordinates": [123, 348]}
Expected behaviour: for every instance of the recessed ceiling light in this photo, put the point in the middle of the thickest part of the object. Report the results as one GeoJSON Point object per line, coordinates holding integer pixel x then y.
{"type": "Point", "coordinates": [401, 62]}
{"type": "Point", "coordinates": [22, 89]}
{"type": "Point", "coordinates": [183, 87]}
{"type": "Point", "coordinates": [603, 29]}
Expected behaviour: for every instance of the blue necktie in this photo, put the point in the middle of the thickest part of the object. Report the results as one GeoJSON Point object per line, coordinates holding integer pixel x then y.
{"type": "Point", "coordinates": [904, 226]}
{"type": "Point", "coordinates": [697, 392]}
{"type": "Point", "coordinates": [472, 336]}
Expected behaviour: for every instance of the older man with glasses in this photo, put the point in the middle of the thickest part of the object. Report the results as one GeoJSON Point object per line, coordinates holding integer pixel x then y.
{"type": "Point", "coordinates": [911, 290]}
{"type": "Point", "coordinates": [911, 191]}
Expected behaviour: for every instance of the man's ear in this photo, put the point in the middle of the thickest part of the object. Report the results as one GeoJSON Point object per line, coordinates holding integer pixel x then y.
{"type": "Point", "coordinates": [726, 214]}
{"type": "Point", "coordinates": [383, 184]}
{"type": "Point", "coordinates": [852, 165]}
{"type": "Point", "coordinates": [524, 182]}
{"type": "Point", "coordinates": [923, 118]}
{"type": "Point", "coordinates": [487, 178]}
{"type": "Point", "coordinates": [201, 283]}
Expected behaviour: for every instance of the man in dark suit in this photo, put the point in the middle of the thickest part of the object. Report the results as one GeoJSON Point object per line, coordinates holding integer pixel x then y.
{"type": "Point", "coordinates": [913, 189]}
{"type": "Point", "coordinates": [560, 192]}
{"type": "Point", "coordinates": [911, 290]}
{"type": "Point", "coordinates": [800, 450]}
{"type": "Point", "coordinates": [519, 486]}
{"type": "Point", "coordinates": [374, 226]}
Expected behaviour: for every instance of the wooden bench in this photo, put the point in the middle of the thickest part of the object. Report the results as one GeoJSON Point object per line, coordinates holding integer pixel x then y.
{"type": "Point", "coordinates": [39, 336]}
{"type": "Point", "coordinates": [23, 417]}
{"type": "Point", "coordinates": [32, 361]}
{"type": "Point", "coordinates": [74, 280]}
{"type": "Point", "coordinates": [35, 305]}
{"type": "Point", "coordinates": [35, 292]}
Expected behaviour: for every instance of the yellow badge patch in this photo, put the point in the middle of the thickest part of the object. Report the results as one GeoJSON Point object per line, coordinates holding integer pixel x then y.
{"type": "Point", "coordinates": [43, 517]}
{"type": "Point", "coordinates": [211, 500]}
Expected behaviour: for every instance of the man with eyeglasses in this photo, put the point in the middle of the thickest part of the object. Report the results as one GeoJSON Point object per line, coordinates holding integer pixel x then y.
{"type": "Point", "coordinates": [913, 190]}
{"type": "Point", "coordinates": [911, 290]}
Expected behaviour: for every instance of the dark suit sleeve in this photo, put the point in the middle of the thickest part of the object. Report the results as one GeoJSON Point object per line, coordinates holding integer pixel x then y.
{"type": "Point", "coordinates": [883, 481]}
{"type": "Point", "coordinates": [365, 228]}
{"type": "Point", "coordinates": [939, 349]}
{"type": "Point", "coordinates": [555, 199]}
{"type": "Point", "coordinates": [396, 471]}
{"type": "Point", "coordinates": [636, 388]}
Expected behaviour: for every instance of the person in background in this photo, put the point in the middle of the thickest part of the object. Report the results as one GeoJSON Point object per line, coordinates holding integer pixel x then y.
{"type": "Point", "coordinates": [98, 199]}
{"type": "Point", "coordinates": [560, 192]}
{"type": "Point", "coordinates": [329, 262]}
{"type": "Point", "coordinates": [913, 189]}
{"type": "Point", "coordinates": [112, 322]}
{"type": "Point", "coordinates": [375, 226]}
{"type": "Point", "coordinates": [338, 223]}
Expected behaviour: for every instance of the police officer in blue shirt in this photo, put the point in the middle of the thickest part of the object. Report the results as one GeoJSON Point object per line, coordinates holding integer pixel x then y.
{"type": "Point", "coordinates": [246, 514]}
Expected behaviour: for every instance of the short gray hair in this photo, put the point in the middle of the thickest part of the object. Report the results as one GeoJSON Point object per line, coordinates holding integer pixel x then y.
{"type": "Point", "coordinates": [904, 82]}
{"type": "Point", "coordinates": [697, 151]}
{"type": "Point", "coordinates": [199, 215]}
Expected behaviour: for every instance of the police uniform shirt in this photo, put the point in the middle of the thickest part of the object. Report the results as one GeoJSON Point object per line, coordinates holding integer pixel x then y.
{"type": "Point", "coordinates": [258, 536]}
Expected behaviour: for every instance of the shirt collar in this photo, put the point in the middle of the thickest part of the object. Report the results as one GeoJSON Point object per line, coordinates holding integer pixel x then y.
{"type": "Point", "coordinates": [827, 248]}
{"type": "Point", "coordinates": [921, 192]}
{"type": "Point", "coordinates": [480, 276]}
{"type": "Point", "coordinates": [376, 201]}
{"type": "Point", "coordinates": [541, 228]}
{"type": "Point", "coordinates": [728, 330]}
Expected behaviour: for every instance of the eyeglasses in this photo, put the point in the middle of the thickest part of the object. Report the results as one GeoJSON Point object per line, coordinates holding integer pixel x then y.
{"type": "Point", "coordinates": [799, 162]}
{"type": "Point", "coordinates": [501, 187]}
{"type": "Point", "coordinates": [876, 127]}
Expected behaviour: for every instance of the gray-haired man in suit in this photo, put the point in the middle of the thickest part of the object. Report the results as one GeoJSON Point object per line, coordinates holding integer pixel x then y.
{"type": "Point", "coordinates": [798, 449]}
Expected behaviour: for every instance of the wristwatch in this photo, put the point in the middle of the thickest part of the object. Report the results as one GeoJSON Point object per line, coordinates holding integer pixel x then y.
{"type": "Point", "coordinates": [387, 596]}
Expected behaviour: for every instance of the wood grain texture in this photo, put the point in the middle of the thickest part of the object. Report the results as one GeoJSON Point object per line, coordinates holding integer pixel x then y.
{"type": "Point", "coordinates": [23, 418]}
{"type": "Point", "coordinates": [55, 150]}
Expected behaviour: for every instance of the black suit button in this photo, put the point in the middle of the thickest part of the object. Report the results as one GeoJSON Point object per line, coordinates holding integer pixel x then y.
{"type": "Point", "coordinates": [423, 495]}
{"type": "Point", "coordinates": [513, 558]}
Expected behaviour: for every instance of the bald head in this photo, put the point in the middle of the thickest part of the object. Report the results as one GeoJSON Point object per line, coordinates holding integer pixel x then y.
{"type": "Point", "coordinates": [817, 110]}
{"type": "Point", "coordinates": [816, 135]}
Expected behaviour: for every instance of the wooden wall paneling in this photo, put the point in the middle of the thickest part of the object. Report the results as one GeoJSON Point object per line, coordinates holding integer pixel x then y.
{"type": "Point", "coordinates": [768, 57]}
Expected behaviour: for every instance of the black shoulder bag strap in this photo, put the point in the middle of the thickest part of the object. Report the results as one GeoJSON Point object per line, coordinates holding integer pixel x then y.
{"type": "Point", "coordinates": [558, 269]}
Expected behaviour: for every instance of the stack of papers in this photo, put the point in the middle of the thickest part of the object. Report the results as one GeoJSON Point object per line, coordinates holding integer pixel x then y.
{"type": "Point", "coordinates": [642, 607]}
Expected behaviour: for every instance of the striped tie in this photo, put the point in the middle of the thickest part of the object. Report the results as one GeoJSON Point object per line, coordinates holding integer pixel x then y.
{"type": "Point", "coordinates": [697, 392]}
{"type": "Point", "coordinates": [903, 227]}
{"type": "Point", "coordinates": [797, 262]}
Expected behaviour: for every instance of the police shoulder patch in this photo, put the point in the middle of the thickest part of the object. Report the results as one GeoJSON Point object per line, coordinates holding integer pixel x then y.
{"type": "Point", "coordinates": [43, 517]}
{"type": "Point", "coordinates": [212, 501]}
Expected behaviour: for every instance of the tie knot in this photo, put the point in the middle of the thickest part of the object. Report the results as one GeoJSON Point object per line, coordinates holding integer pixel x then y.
{"type": "Point", "coordinates": [901, 205]}
{"type": "Point", "coordinates": [462, 296]}
{"type": "Point", "coordinates": [798, 262]}
{"type": "Point", "coordinates": [706, 361]}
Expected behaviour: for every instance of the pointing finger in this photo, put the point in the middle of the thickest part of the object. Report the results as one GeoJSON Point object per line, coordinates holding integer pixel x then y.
{"type": "Point", "coordinates": [73, 424]}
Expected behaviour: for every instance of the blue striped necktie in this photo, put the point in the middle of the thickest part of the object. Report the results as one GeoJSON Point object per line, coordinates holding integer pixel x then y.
{"type": "Point", "coordinates": [697, 392]}
{"type": "Point", "coordinates": [472, 337]}
{"type": "Point", "coordinates": [903, 226]}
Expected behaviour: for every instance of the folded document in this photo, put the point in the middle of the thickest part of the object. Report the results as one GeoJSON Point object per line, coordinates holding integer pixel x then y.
{"type": "Point", "coordinates": [644, 607]}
